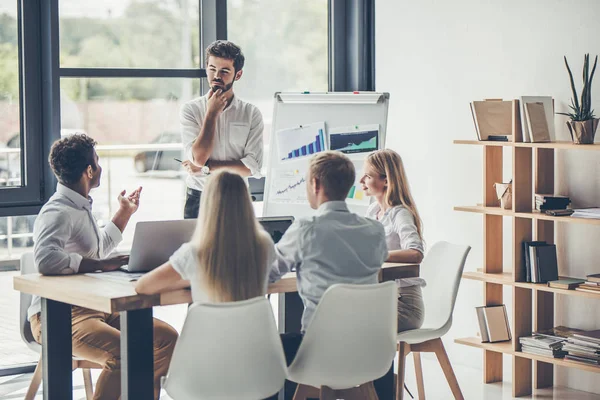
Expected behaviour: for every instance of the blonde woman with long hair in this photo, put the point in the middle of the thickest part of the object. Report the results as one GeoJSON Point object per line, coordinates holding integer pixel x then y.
{"type": "Point", "coordinates": [229, 255]}
{"type": "Point", "coordinates": [385, 179]}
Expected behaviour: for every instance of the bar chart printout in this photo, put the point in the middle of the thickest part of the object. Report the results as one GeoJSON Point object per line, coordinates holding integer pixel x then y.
{"type": "Point", "coordinates": [354, 139]}
{"type": "Point", "coordinates": [301, 141]}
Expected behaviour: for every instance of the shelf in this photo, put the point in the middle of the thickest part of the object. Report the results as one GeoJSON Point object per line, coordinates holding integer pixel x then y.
{"type": "Point", "coordinates": [506, 348]}
{"type": "Point", "coordinates": [530, 215]}
{"type": "Point", "coordinates": [505, 278]}
{"type": "Point", "coordinates": [563, 145]}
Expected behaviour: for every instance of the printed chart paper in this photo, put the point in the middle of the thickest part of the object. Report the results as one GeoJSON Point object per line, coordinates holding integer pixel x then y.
{"type": "Point", "coordinates": [354, 139]}
{"type": "Point", "coordinates": [301, 141]}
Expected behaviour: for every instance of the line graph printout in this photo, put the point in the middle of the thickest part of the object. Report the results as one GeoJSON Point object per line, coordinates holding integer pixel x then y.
{"type": "Point", "coordinates": [354, 139]}
{"type": "Point", "coordinates": [288, 184]}
{"type": "Point", "coordinates": [301, 141]}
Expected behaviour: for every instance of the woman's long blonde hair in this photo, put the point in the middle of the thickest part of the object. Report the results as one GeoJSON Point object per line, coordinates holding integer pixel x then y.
{"type": "Point", "coordinates": [232, 258]}
{"type": "Point", "coordinates": [388, 164]}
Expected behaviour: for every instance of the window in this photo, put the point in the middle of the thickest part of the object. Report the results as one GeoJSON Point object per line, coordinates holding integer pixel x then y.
{"type": "Point", "coordinates": [129, 33]}
{"type": "Point", "coordinates": [136, 124]}
{"type": "Point", "coordinates": [286, 49]}
{"type": "Point", "coordinates": [10, 123]}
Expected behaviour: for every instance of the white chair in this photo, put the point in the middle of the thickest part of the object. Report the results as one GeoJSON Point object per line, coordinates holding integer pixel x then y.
{"type": "Point", "coordinates": [28, 267]}
{"type": "Point", "coordinates": [227, 351]}
{"type": "Point", "coordinates": [442, 270]}
{"type": "Point", "coordinates": [350, 342]}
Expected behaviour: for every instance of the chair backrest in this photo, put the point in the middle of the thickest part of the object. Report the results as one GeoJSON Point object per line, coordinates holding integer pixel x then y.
{"type": "Point", "coordinates": [442, 270]}
{"type": "Point", "coordinates": [227, 351]}
{"type": "Point", "coordinates": [351, 339]}
{"type": "Point", "coordinates": [27, 267]}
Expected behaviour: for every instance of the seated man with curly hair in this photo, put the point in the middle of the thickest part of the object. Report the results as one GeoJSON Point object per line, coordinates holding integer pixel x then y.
{"type": "Point", "coordinates": [67, 241]}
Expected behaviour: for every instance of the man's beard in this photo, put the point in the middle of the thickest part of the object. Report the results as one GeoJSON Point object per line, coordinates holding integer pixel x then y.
{"type": "Point", "coordinates": [223, 88]}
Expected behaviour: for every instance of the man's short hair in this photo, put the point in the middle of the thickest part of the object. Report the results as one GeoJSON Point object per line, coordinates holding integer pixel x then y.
{"type": "Point", "coordinates": [335, 172]}
{"type": "Point", "coordinates": [70, 157]}
{"type": "Point", "coordinates": [228, 50]}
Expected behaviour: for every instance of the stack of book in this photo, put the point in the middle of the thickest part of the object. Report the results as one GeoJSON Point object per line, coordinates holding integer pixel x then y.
{"type": "Point", "coordinates": [543, 345]}
{"type": "Point", "coordinates": [540, 262]}
{"type": "Point", "coordinates": [584, 347]}
{"type": "Point", "coordinates": [545, 202]}
{"type": "Point", "coordinates": [548, 342]}
{"type": "Point", "coordinates": [590, 285]}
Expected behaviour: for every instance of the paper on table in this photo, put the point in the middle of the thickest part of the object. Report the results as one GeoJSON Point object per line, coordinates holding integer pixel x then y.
{"type": "Point", "coordinates": [117, 276]}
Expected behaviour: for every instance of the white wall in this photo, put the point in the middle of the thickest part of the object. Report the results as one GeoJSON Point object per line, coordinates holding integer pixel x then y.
{"type": "Point", "coordinates": [436, 56]}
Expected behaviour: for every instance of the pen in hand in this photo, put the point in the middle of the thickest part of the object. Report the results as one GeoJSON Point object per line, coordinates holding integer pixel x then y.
{"type": "Point", "coordinates": [178, 160]}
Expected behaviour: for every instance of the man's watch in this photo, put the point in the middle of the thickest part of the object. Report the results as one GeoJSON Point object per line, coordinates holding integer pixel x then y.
{"type": "Point", "coordinates": [205, 170]}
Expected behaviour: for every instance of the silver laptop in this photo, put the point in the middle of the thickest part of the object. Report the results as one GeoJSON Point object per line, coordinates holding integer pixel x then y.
{"type": "Point", "coordinates": [276, 226]}
{"type": "Point", "coordinates": [155, 241]}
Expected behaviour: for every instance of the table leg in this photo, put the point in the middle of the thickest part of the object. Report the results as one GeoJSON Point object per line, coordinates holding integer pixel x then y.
{"type": "Point", "coordinates": [291, 309]}
{"type": "Point", "coordinates": [290, 312]}
{"type": "Point", "coordinates": [137, 354]}
{"type": "Point", "coordinates": [56, 350]}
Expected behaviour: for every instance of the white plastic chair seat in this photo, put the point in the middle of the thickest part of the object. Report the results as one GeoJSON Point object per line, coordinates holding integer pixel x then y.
{"type": "Point", "coordinates": [351, 339]}
{"type": "Point", "coordinates": [227, 351]}
{"type": "Point", "coordinates": [421, 335]}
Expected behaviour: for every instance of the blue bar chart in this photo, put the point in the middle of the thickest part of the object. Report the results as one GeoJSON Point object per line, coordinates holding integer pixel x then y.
{"type": "Point", "coordinates": [303, 141]}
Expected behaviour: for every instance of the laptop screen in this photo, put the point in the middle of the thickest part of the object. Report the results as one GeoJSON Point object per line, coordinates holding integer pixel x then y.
{"type": "Point", "coordinates": [276, 226]}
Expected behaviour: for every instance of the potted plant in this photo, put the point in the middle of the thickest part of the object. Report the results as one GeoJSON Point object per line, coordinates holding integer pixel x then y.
{"type": "Point", "coordinates": [583, 123]}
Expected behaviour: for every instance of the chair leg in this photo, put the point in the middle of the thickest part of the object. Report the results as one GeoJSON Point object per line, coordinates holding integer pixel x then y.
{"type": "Point", "coordinates": [440, 352]}
{"type": "Point", "coordinates": [87, 383]}
{"type": "Point", "coordinates": [419, 374]}
{"type": "Point", "coordinates": [403, 350]}
{"type": "Point", "coordinates": [36, 379]}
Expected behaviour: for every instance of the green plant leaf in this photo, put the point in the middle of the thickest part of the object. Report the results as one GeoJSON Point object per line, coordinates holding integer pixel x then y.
{"type": "Point", "coordinates": [575, 99]}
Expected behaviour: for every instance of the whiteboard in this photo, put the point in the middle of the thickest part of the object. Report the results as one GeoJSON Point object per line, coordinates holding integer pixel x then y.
{"type": "Point", "coordinates": [297, 119]}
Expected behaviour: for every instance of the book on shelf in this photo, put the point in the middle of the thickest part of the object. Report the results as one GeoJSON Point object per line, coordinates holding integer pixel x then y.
{"type": "Point", "coordinates": [536, 122]}
{"type": "Point", "coordinates": [589, 336]}
{"type": "Point", "coordinates": [540, 262]}
{"type": "Point", "coordinates": [543, 352]}
{"type": "Point", "coordinates": [548, 111]}
{"type": "Point", "coordinates": [593, 286]}
{"type": "Point", "coordinates": [566, 283]}
{"type": "Point", "coordinates": [593, 278]}
{"type": "Point", "coordinates": [492, 117]}
{"type": "Point", "coordinates": [584, 360]}
{"type": "Point", "coordinates": [592, 213]}
{"type": "Point", "coordinates": [587, 290]}
{"type": "Point", "coordinates": [560, 213]}
{"type": "Point", "coordinates": [559, 332]}
{"type": "Point", "coordinates": [542, 341]}
{"type": "Point", "coordinates": [545, 202]}
{"type": "Point", "coordinates": [493, 323]}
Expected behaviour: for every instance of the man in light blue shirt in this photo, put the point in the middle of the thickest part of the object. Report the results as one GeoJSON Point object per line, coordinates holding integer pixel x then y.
{"type": "Point", "coordinates": [334, 246]}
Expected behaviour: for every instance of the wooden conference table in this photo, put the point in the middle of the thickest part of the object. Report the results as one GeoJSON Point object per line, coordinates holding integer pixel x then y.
{"type": "Point", "coordinates": [59, 293]}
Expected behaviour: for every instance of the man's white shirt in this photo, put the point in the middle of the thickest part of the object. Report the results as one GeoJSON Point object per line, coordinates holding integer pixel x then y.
{"type": "Point", "coordinates": [238, 135]}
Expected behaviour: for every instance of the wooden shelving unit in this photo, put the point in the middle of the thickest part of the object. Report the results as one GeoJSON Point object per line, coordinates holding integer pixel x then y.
{"type": "Point", "coordinates": [533, 304]}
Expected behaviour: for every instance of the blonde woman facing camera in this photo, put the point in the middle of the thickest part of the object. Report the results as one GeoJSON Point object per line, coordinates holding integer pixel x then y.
{"type": "Point", "coordinates": [229, 256]}
{"type": "Point", "coordinates": [385, 179]}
